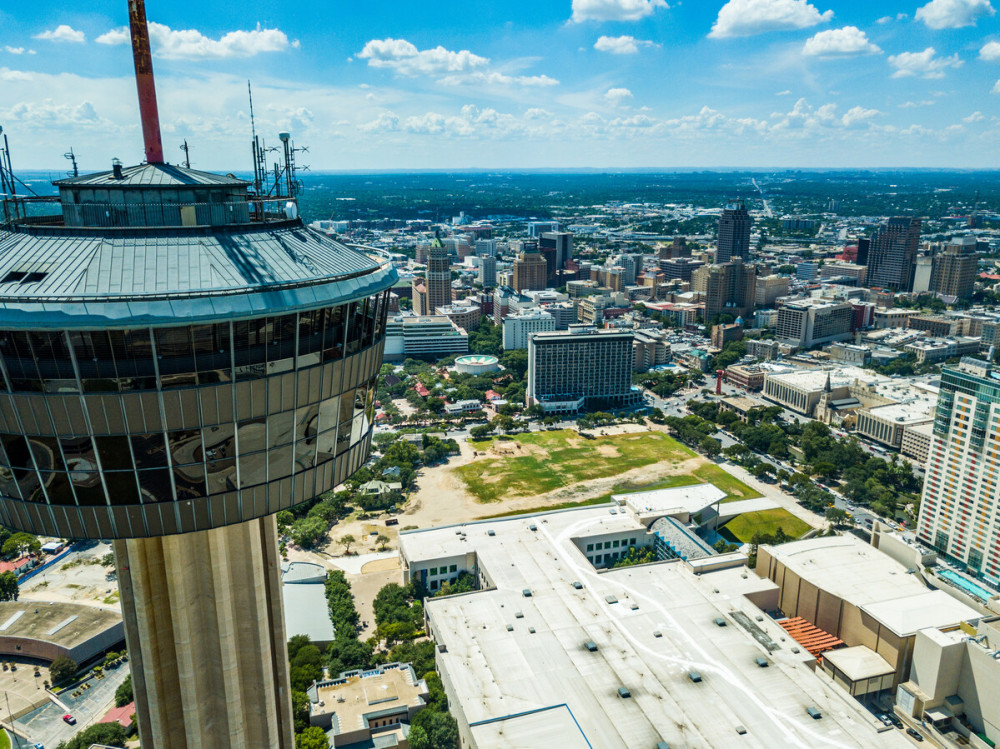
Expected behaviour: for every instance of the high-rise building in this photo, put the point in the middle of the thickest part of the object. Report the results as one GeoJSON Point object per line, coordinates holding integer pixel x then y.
{"type": "Point", "coordinates": [864, 248]}
{"type": "Point", "coordinates": [581, 365]}
{"type": "Point", "coordinates": [486, 247]}
{"type": "Point", "coordinates": [726, 288]}
{"type": "Point", "coordinates": [811, 322]}
{"type": "Point", "coordinates": [734, 233]}
{"type": "Point", "coordinates": [488, 271]}
{"type": "Point", "coordinates": [561, 242]}
{"type": "Point", "coordinates": [960, 508]}
{"type": "Point", "coordinates": [530, 269]}
{"type": "Point", "coordinates": [521, 325]}
{"type": "Point", "coordinates": [681, 268]}
{"type": "Point", "coordinates": [675, 250]}
{"type": "Point", "coordinates": [953, 272]}
{"type": "Point", "coordinates": [438, 277]}
{"type": "Point", "coordinates": [768, 289]}
{"type": "Point", "coordinates": [892, 256]}
{"type": "Point", "coordinates": [196, 378]}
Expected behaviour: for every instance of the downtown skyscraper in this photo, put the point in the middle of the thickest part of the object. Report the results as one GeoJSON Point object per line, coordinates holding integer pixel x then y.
{"type": "Point", "coordinates": [734, 232]}
{"type": "Point", "coordinates": [892, 255]}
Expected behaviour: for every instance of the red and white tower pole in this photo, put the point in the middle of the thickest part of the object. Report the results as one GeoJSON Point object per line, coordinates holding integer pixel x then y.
{"type": "Point", "coordinates": [143, 57]}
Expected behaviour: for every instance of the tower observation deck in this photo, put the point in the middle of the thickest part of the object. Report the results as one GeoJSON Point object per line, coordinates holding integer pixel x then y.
{"type": "Point", "coordinates": [178, 362]}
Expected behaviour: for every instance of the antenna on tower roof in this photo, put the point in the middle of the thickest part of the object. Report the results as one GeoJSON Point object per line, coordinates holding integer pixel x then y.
{"type": "Point", "coordinates": [256, 152]}
{"type": "Point", "coordinates": [74, 172]}
{"type": "Point", "coordinates": [187, 154]}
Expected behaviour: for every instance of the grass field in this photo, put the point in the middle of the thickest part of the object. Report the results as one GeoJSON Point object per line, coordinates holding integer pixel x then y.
{"type": "Point", "coordinates": [551, 460]}
{"type": "Point", "coordinates": [709, 473]}
{"type": "Point", "coordinates": [766, 522]}
{"type": "Point", "coordinates": [4, 740]}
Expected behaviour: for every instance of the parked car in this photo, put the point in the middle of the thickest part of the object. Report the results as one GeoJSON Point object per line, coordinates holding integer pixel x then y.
{"type": "Point", "coordinates": [69, 719]}
{"type": "Point", "coordinates": [915, 734]}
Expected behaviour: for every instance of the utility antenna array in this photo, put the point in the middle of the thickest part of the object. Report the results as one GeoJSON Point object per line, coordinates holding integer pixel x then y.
{"type": "Point", "coordinates": [187, 154]}
{"type": "Point", "coordinates": [75, 171]}
{"type": "Point", "coordinates": [280, 180]}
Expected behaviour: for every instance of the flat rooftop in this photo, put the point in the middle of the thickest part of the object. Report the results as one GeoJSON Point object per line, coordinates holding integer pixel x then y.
{"type": "Point", "coordinates": [815, 379]}
{"type": "Point", "coordinates": [675, 501]}
{"type": "Point", "coordinates": [63, 624]}
{"type": "Point", "coordinates": [523, 676]}
{"type": "Point", "coordinates": [355, 698]}
{"type": "Point", "coordinates": [847, 567]}
{"type": "Point", "coordinates": [859, 663]}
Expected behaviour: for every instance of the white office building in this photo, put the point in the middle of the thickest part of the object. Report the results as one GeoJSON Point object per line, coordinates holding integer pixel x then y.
{"type": "Point", "coordinates": [521, 325]}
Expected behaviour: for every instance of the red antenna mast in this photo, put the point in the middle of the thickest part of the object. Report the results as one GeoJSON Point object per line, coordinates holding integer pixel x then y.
{"type": "Point", "coordinates": [143, 57]}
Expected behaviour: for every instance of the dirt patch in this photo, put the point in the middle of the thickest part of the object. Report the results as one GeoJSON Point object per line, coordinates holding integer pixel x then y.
{"type": "Point", "coordinates": [608, 451]}
{"type": "Point", "coordinates": [380, 565]}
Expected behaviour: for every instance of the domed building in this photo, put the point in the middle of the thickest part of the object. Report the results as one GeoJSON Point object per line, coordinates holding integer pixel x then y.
{"type": "Point", "coordinates": [179, 361]}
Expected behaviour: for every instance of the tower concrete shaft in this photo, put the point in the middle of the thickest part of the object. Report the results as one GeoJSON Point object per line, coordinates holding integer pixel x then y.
{"type": "Point", "coordinates": [206, 638]}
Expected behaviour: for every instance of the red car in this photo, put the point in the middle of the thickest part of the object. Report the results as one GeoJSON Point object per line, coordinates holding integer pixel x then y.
{"type": "Point", "coordinates": [69, 719]}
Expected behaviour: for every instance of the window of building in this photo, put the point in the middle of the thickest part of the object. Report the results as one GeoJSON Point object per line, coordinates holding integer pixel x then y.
{"type": "Point", "coordinates": [434, 570]}
{"type": "Point", "coordinates": [614, 544]}
{"type": "Point", "coordinates": [590, 547]}
{"type": "Point", "coordinates": [453, 568]}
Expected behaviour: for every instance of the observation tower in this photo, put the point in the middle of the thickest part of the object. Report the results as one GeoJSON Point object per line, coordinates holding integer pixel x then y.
{"type": "Point", "coordinates": [180, 359]}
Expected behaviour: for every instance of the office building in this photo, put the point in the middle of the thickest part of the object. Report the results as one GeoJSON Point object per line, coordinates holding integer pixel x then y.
{"type": "Point", "coordinates": [465, 313]}
{"type": "Point", "coordinates": [916, 442]}
{"type": "Point", "coordinates": [521, 325]}
{"type": "Point", "coordinates": [769, 289]}
{"type": "Point", "coordinates": [960, 507]}
{"type": "Point", "coordinates": [888, 423]}
{"type": "Point", "coordinates": [954, 271]}
{"type": "Point", "coordinates": [922, 270]}
{"type": "Point", "coordinates": [727, 288]}
{"type": "Point", "coordinates": [548, 653]}
{"type": "Point", "coordinates": [431, 336]}
{"type": "Point", "coordinates": [676, 250]}
{"type": "Point", "coordinates": [682, 268]}
{"type": "Point", "coordinates": [812, 322]}
{"type": "Point", "coordinates": [734, 233]}
{"type": "Point", "coordinates": [590, 367]}
{"type": "Point", "coordinates": [488, 271]}
{"type": "Point", "coordinates": [564, 314]}
{"type": "Point", "coordinates": [930, 350]}
{"type": "Point", "coordinates": [845, 273]}
{"type": "Point", "coordinates": [649, 349]}
{"type": "Point", "coordinates": [863, 250]}
{"type": "Point", "coordinates": [486, 247]}
{"type": "Point", "coordinates": [893, 255]}
{"type": "Point", "coordinates": [561, 242]}
{"type": "Point", "coordinates": [537, 228]}
{"type": "Point", "coordinates": [764, 350]}
{"type": "Point", "coordinates": [530, 269]}
{"type": "Point", "coordinates": [197, 377]}
{"type": "Point", "coordinates": [438, 281]}
{"type": "Point", "coordinates": [723, 334]}
{"type": "Point", "coordinates": [750, 377]}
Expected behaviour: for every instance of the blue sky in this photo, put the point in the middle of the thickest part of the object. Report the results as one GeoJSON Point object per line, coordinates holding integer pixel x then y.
{"type": "Point", "coordinates": [513, 84]}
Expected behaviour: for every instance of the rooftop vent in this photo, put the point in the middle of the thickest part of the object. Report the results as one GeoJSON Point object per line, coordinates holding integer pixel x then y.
{"type": "Point", "coordinates": [491, 533]}
{"type": "Point", "coordinates": [720, 622]}
{"type": "Point", "coordinates": [762, 662]}
{"type": "Point", "coordinates": [624, 693]}
{"type": "Point", "coordinates": [814, 713]}
{"type": "Point", "coordinates": [591, 646]}
{"type": "Point", "coordinates": [116, 169]}
{"type": "Point", "coordinates": [694, 676]}
{"type": "Point", "coordinates": [526, 592]}
{"type": "Point", "coordinates": [577, 584]}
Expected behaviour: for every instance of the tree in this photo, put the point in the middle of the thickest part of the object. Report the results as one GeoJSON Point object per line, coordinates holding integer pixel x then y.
{"type": "Point", "coordinates": [124, 693]}
{"type": "Point", "coordinates": [710, 446]}
{"type": "Point", "coordinates": [313, 737]}
{"type": "Point", "coordinates": [300, 710]}
{"type": "Point", "coordinates": [432, 729]}
{"type": "Point", "coordinates": [20, 544]}
{"type": "Point", "coordinates": [835, 515]}
{"type": "Point", "coordinates": [347, 541]}
{"type": "Point", "coordinates": [62, 669]}
{"type": "Point", "coordinates": [308, 531]}
{"type": "Point", "coordinates": [9, 590]}
{"type": "Point", "coordinates": [381, 541]}
{"type": "Point", "coordinates": [762, 469]}
{"type": "Point", "coordinates": [104, 734]}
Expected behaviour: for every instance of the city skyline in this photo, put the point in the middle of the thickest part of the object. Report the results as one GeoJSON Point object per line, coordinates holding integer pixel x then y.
{"type": "Point", "coordinates": [569, 84]}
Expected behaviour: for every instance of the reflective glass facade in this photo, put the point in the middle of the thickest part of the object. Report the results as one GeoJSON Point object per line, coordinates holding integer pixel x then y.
{"type": "Point", "coordinates": [146, 431]}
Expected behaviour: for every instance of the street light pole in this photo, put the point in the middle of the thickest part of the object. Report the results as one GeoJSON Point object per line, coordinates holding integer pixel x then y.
{"type": "Point", "coordinates": [10, 719]}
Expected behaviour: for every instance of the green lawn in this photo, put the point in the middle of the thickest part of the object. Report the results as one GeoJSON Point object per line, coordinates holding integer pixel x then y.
{"type": "Point", "coordinates": [4, 740]}
{"type": "Point", "coordinates": [563, 458]}
{"type": "Point", "coordinates": [709, 473]}
{"type": "Point", "coordinates": [766, 522]}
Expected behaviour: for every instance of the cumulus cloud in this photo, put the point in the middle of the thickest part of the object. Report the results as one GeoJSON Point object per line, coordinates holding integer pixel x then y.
{"type": "Point", "coordinates": [748, 17]}
{"type": "Point", "coordinates": [915, 104]}
{"type": "Point", "coordinates": [447, 67]}
{"type": "Point", "coordinates": [14, 50]}
{"type": "Point", "coordinates": [63, 33]}
{"type": "Point", "coordinates": [191, 44]}
{"type": "Point", "coordinates": [890, 19]}
{"type": "Point", "coordinates": [386, 122]}
{"type": "Point", "coordinates": [844, 42]}
{"type": "Point", "coordinates": [858, 116]}
{"type": "Point", "coordinates": [953, 14]}
{"type": "Point", "coordinates": [974, 117]}
{"type": "Point", "coordinates": [404, 58]}
{"type": "Point", "coordinates": [996, 88]}
{"type": "Point", "coordinates": [923, 64]}
{"type": "Point", "coordinates": [614, 10]}
{"type": "Point", "coordinates": [990, 52]}
{"type": "Point", "coordinates": [616, 96]}
{"type": "Point", "coordinates": [621, 45]}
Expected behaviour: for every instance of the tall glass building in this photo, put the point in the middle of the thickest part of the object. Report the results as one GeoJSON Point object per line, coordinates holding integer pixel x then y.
{"type": "Point", "coordinates": [178, 362]}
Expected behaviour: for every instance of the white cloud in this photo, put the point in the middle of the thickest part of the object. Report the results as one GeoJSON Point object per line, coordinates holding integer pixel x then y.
{"type": "Point", "coordinates": [990, 52]}
{"type": "Point", "coordinates": [923, 64]}
{"type": "Point", "coordinates": [786, 92]}
{"type": "Point", "coordinates": [14, 50]}
{"type": "Point", "coordinates": [494, 78]}
{"type": "Point", "coordinates": [621, 45]}
{"type": "Point", "coordinates": [385, 122]}
{"type": "Point", "coordinates": [953, 14]}
{"type": "Point", "coordinates": [844, 42]}
{"type": "Point", "coordinates": [63, 33]}
{"type": "Point", "coordinates": [996, 88]}
{"type": "Point", "coordinates": [404, 58]}
{"type": "Point", "coordinates": [748, 17]}
{"type": "Point", "coordinates": [614, 10]}
{"type": "Point", "coordinates": [858, 116]}
{"type": "Point", "coordinates": [890, 19]}
{"type": "Point", "coordinates": [974, 117]}
{"type": "Point", "coordinates": [915, 104]}
{"type": "Point", "coordinates": [616, 96]}
{"type": "Point", "coordinates": [191, 44]}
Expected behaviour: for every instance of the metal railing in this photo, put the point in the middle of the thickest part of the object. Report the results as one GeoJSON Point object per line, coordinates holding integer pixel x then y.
{"type": "Point", "coordinates": [51, 211]}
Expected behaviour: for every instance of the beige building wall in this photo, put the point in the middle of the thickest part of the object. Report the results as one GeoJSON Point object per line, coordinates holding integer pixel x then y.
{"type": "Point", "coordinates": [206, 638]}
